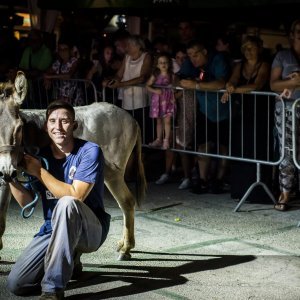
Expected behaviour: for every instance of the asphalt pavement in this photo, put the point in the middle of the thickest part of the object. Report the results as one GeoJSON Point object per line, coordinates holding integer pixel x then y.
{"type": "Point", "coordinates": [187, 247]}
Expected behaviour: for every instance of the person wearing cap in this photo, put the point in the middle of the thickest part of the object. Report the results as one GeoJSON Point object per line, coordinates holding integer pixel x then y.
{"type": "Point", "coordinates": [71, 189]}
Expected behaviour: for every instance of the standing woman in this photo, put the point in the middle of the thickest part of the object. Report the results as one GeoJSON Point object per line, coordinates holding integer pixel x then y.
{"type": "Point", "coordinates": [250, 140]}
{"type": "Point", "coordinates": [135, 69]}
{"type": "Point", "coordinates": [285, 80]}
{"type": "Point", "coordinates": [62, 71]}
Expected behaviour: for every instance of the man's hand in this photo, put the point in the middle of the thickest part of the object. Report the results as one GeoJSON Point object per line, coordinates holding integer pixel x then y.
{"type": "Point", "coordinates": [31, 165]}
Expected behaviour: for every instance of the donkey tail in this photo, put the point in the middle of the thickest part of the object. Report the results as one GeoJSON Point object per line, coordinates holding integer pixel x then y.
{"type": "Point", "coordinates": [141, 183]}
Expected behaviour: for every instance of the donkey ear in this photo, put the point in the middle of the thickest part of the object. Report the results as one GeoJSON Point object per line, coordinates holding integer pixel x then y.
{"type": "Point", "coordinates": [21, 88]}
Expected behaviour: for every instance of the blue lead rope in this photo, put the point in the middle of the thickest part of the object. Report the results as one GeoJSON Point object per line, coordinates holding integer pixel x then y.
{"type": "Point", "coordinates": [31, 180]}
{"type": "Point", "coordinates": [30, 206]}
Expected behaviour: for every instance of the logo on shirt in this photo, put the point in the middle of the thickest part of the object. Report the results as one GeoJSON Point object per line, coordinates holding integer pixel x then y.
{"type": "Point", "coordinates": [72, 172]}
{"type": "Point", "coordinates": [49, 195]}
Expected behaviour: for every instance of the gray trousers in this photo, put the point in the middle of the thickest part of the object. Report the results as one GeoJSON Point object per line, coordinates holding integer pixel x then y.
{"type": "Point", "coordinates": [48, 261]}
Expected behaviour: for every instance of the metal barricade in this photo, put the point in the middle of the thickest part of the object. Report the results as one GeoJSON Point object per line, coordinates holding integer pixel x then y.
{"type": "Point", "coordinates": [295, 135]}
{"type": "Point", "coordinates": [257, 128]}
{"type": "Point", "coordinates": [239, 114]}
{"type": "Point", "coordinates": [256, 99]}
{"type": "Point", "coordinates": [183, 140]}
{"type": "Point", "coordinates": [129, 97]}
{"type": "Point", "coordinates": [75, 91]}
{"type": "Point", "coordinates": [109, 95]}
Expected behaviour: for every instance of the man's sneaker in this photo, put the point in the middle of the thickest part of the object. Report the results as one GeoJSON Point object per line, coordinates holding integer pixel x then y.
{"type": "Point", "coordinates": [200, 188]}
{"type": "Point", "coordinates": [163, 179]}
{"type": "Point", "coordinates": [77, 270]}
{"type": "Point", "coordinates": [52, 296]}
{"type": "Point", "coordinates": [185, 184]}
{"type": "Point", "coordinates": [217, 187]}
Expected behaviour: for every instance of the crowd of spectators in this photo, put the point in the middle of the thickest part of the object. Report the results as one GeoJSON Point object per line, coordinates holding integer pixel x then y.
{"type": "Point", "coordinates": [127, 69]}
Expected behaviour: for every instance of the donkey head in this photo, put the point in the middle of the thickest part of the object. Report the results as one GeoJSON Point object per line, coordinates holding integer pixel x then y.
{"type": "Point", "coordinates": [11, 97]}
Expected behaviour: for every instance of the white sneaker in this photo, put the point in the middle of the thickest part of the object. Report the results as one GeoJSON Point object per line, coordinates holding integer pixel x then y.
{"type": "Point", "coordinates": [162, 179]}
{"type": "Point", "coordinates": [185, 184]}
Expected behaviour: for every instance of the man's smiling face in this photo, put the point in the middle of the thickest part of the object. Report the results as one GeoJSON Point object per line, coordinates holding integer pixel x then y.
{"type": "Point", "coordinates": [60, 126]}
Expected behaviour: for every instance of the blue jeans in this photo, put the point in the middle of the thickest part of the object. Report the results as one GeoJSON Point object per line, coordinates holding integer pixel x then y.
{"type": "Point", "coordinates": [48, 261]}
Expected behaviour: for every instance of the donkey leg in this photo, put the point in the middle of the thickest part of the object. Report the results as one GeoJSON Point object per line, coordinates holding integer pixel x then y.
{"type": "Point", "coordinates": [126, 202]}
{"type": "Point", "coordinates": [4, 202]}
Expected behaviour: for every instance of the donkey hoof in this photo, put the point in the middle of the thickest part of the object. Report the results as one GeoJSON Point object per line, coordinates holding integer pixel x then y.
{"type": "Point", "coordinates": [124, 256]}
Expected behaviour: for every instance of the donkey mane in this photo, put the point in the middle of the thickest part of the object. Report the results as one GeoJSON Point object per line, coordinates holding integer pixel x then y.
{"type": "Point", "coordinates": [34, 133]}
{"type": "Point", "coordinates": [33, 116]}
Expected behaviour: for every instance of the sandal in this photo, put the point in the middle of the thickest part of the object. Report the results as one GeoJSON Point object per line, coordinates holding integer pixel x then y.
{"type": "Point", "coordinates": [165, 145]}
{"type": "Point", "coordinates": [156, 144]}
{"type": "Point", "coordinates": [282, 206]}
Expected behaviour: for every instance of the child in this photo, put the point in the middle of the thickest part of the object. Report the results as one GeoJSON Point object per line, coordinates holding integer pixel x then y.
{"type": "Point", "coordinates": [163, 104]}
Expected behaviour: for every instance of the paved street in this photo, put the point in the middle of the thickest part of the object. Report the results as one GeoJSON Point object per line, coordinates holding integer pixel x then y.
{"type": "Point", "coordinates": [187, 247]}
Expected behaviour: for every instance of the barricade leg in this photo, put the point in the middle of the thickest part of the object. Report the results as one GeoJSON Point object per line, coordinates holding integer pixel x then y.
{"type": "Point", "coordinates": [255, 184]}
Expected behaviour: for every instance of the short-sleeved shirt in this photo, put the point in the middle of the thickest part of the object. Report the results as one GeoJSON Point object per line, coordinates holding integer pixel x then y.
{"type": "Point", "coordinates": [216, 68]}
{"type": "Point", "coordinates": [40, 60]}
{"type": "Point", "coordinates": [188, 70]}
{"type": "Point", "coordinates": [84, 163]}
{"type": "Point", "coordinates": [287, 61]}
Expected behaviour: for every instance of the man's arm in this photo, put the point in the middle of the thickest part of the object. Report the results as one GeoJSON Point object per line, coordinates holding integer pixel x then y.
{"type": "Point", "coordinates": [20, 193]}
{"type": "Point", "coordinates": [205, 86]}
{"type": "Point", "coordinates": [211, 85]}
{"type": "Point", "coordinates": [78, 189]}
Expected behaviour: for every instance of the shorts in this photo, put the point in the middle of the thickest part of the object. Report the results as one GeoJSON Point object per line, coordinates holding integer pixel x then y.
{"type": "Point", "coordinates": [214, 132]}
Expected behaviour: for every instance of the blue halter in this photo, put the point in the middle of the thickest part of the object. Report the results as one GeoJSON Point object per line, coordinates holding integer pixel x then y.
{"type": "Point", "coordinates": [31, 180]}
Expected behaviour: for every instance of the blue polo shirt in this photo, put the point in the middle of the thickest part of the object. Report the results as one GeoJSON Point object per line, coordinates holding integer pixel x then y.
{"type": "Point", "coordinates": [85, 163]}
{"type": "Point", "coordinates": [210, 104]}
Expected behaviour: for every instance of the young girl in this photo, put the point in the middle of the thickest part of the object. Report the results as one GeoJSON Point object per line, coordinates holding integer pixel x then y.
{"type": "Point", "coordinates": [163, 104]}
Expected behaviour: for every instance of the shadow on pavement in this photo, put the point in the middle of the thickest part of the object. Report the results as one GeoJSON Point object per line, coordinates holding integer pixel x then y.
{"type": "Point", "coordinates": [146, 278]}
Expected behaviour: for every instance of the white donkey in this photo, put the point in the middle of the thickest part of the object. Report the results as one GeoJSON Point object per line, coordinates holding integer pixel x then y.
{"type": "Point", "coordinates": [117, 133]}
